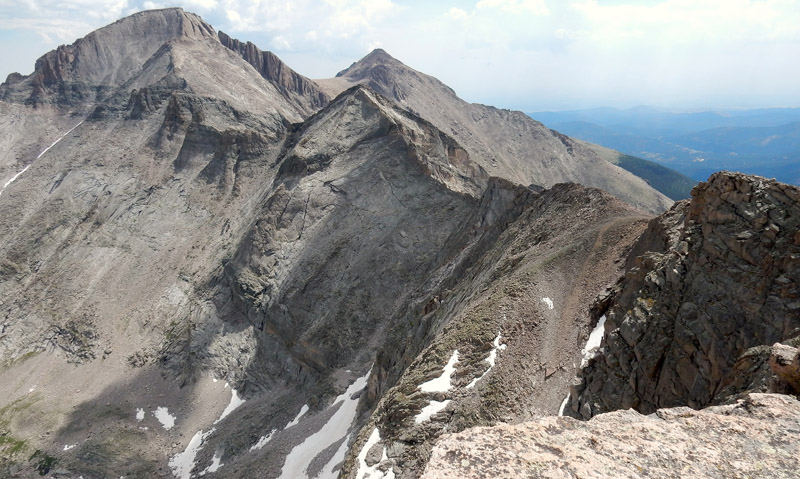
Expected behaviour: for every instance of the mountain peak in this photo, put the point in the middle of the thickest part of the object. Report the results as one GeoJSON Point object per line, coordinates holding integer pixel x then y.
{"type": "Point", "coordinates": [107, 56]}
{"type": "Point", "coordinates": [170, 21]}
{"type": "Point", "coordinates": [377, 57]}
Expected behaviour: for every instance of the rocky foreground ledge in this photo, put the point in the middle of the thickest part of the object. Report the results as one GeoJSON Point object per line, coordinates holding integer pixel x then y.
{"type": "Point", "coordinates": [756, 437]}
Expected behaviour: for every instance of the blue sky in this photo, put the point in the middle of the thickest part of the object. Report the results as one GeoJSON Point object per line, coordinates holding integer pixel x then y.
{"type": "Point", "coordinates": [522, 54]}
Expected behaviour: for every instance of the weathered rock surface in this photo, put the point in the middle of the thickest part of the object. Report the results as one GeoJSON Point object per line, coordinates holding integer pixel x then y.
{"type": "Point", "coordinates": [296, 87]}
{"type": "Point", "coordinates": [507, 144]}
{"type": "Point", "coordinates": [784, 361]}
{"type": "Point", "coordinates": [711, 279]}
{"type": "Point", "coordinates": [756, 437]}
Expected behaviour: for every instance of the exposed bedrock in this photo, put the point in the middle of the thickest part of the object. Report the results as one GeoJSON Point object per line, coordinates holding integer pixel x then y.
{"type": "Point", "coordinates": [713, 284]}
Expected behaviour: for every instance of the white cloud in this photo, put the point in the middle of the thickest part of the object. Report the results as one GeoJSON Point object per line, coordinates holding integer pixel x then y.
{"type": "Point", "coordinates": [457, 13]}
{"type": "Point", "coordinates": [279, 43]}
{"type": "Point", "coordinates": [678, 23]}
{"type": "Point", "coordinates": [347, 18]}
{"type": "Point", "coordinates": [535, 7]}
{"type": "Point", "coordinates": [200, 4]}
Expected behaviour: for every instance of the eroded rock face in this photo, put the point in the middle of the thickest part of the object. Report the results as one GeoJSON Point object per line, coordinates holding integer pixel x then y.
{"type": "Point", "coordinates": [784, 361]}
{"type": "Point", "coordinates": [710, 280]}
{"type": "Point", "coordinates": [756, 437]}
{"type": "Point", "coordinates": [295, 86]}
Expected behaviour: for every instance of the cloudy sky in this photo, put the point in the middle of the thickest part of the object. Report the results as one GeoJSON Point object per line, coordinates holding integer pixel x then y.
{"type": "Point", "coordinates": [523, 54]}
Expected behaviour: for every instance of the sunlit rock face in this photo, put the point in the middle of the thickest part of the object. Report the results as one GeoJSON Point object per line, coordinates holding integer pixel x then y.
{"type": "Point", "coordinates": [750, 437]}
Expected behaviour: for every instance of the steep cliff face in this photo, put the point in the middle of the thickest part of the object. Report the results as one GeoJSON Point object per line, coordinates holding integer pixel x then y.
{"type": "Point", "coordinates": [129, 68]}
{"type": "Point", "coordinates": [295, 86]}
{"type": "Point", "coordinates": [709, 283]}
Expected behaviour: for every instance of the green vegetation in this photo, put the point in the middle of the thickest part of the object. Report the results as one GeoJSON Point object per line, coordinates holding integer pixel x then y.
{"type": "Point", "coordinates": [20, 359]}
{"type": "Point", "coordinates": [673, 184]}
{"type": "Point", "coordinates": [10, 446]}
{"type": "Point", "coordinates": [42, 462]}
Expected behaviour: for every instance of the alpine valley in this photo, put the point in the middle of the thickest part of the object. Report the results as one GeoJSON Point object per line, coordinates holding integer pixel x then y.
{"type": "Point", "coordinates": [213, 266]}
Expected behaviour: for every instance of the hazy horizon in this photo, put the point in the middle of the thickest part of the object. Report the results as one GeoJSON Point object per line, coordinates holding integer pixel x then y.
{"type": "Point", "coordinates": [529, 55]}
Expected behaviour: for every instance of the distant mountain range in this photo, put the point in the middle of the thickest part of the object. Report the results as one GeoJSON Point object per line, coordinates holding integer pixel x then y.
{"type": "Point", "coordinates": [765, 142]}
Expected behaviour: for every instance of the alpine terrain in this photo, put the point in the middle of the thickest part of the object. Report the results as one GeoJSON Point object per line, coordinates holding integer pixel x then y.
{"type": "Point", "coordinates": [213, 266]}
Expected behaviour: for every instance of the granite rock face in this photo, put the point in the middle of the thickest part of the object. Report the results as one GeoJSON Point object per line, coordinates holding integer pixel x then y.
{"type": "Point", "coordinates": [784, 361]}
{"type": "Point", "coordinates": [295, 86]}
{"type": "Point", "coordinates": [756, 437]}
{"type": "Point", "coordinates": [710, 280]}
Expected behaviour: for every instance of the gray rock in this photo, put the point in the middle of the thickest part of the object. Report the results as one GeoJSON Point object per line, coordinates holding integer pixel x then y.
{"type": "Point", "coordinates": [756, 437]}
{"type": "Point", "coordinates": [708, 281]}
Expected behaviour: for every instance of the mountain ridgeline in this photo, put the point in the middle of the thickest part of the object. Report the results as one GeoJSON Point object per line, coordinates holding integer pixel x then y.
{"type": "Point", "coordinates": [211, 265]}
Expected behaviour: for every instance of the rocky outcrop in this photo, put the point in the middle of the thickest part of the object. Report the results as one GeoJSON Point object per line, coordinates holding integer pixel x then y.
{"type": "Point", "coordinates": [784, 361]}
{"type": "Point", "coordinates": [756, 437]}
{"type": "Point", "coordinates": [295, 86]}
{"type": "Point", "coordinates": [709, 281]}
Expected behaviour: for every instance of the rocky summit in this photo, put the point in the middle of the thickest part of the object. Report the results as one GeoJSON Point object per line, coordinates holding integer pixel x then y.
{"type": "Point", "coordinates": [213, 266]}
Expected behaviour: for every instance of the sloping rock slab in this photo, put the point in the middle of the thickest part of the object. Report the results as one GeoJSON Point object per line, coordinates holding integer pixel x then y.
{"type": "Point", "coordinates": [756, 437]}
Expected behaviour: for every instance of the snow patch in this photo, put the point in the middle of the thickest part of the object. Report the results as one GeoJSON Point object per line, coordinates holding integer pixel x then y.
{"type": "Point", "coordinates": [335, 429]}
{"type": "Point", "coordinates": [329, 470]}
{"type": "Point", "coordinates": [563, 405]}
{"type": "Point", "coordinates": [216, 463]}
{"type": "Point", "coordinates": [164, 417]}
{"type": "Point", "coordinates": [139, 415]}
{"type": "Point", "coordinates": [183, 463]}
{"type": "Point", "coordinates": [492, 359]}
{"type": "Point", "coordinates": [593, 344]}
{"type": "Point", "coordinates": [428, 411]}
{"type": "Point", "coordinates": [59, 139]}
{"type": "Point", "coordinates": [67, 447]}
{"type": "Point", "coordinates": [236, 401]}
{"type": "Point", "coordinates": [296, 420]}
{"type": "Point", "coordinates": [14, 178]}
{"type": "Point", "coordinates": [262, 441]}
{"type": "Point", "coordinates": [372, 472]}
{"type": "Point", "coordinates": [40, 155]}
{"type": "Point", "coordinates": [548, 302]}
{"type": "Point", "coordinates": [442, 383]}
